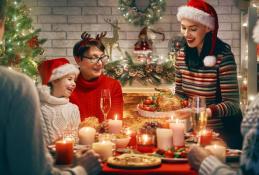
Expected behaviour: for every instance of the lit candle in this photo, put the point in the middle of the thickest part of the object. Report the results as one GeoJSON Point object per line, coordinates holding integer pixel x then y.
{"type": "Point", "coordinates": [64, 151]}
{"type": "Point", "coordinates": [145, 139]}
{"type": "Point", "coordinates": [205, 137]}
{"type": "Point", "coordinates": [104, 149]}
{"type": "Point", "coordinates": [178, 132]}
{"type": "Point", "coordinates": [86, 135]}
{"type": "Point", "coordinates": [145, 143]}
{"type": "Point", "coordinates": [115, 125]}
{"type": "Point", "coordinates": [217, 150]}
{"type": "Point", "coordinates": [164, 138]}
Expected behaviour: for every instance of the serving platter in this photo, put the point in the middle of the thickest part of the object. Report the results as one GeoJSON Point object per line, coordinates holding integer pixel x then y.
{"type": "Point", "coordinates": [133, 161]}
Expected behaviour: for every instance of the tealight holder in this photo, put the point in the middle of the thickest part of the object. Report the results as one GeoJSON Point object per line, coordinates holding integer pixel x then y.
{"type": "Point", "coordinates": [145, 142]}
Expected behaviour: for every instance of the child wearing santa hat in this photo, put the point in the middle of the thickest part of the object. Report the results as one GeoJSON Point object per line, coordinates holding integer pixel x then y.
{"type": "Point", "coordinates": [205, 66]}
{"type": "Point", "coordinates": [58, 114]}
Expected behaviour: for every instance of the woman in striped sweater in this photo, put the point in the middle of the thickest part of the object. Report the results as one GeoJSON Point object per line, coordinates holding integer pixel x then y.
{"type": "Point", "coordinates": [205, 66]}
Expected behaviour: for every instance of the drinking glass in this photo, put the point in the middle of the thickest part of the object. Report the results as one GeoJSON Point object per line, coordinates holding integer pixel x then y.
{"type": "Point", "coordinates": [105, 102]}
{"type": "Point", "coordinates": [199, 116]}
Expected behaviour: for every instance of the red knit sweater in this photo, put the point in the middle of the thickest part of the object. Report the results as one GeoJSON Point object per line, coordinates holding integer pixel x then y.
{"type": "Point", "coordinates": [87, 97]}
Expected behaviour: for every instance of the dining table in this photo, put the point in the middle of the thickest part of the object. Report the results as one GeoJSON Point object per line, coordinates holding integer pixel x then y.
{"type": "Point", "coordinates": [182, 168]}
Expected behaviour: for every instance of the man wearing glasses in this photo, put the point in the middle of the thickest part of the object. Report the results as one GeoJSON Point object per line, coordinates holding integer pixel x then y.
{"type": "Point", "coordinates": [90, 57]}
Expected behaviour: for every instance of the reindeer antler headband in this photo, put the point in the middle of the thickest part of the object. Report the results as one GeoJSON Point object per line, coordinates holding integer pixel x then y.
{"type": "Point", "coordinates": [86, 37]}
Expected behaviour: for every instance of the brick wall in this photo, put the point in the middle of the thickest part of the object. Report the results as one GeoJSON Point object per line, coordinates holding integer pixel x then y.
{"type": "Point", "coordinates": [62, 22]}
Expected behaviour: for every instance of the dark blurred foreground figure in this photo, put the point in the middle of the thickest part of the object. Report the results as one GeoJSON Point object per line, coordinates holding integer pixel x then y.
{"type": "Point", "coordinates": [22, 148]}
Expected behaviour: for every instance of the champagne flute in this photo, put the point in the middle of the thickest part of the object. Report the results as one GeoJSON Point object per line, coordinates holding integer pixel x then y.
{"type": "Point", "coordinates": [105, 102]}
{"type": "Point", "coordinates": [199, 117]}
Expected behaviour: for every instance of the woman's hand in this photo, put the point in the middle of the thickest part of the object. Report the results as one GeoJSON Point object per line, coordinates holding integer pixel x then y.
{"type": "Point", "coordinates": [208, 112]}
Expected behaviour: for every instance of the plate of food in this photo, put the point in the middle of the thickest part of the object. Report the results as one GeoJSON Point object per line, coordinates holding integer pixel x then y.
{"type": "Point", "coordinates": [132, 161]}
{"type": "Point", "coordinates": [161, 105]}
{"type": "Point", "coordinates": [173, 155]}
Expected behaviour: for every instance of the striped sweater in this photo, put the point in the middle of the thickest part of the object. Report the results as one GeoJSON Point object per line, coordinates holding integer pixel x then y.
{"type": "Point", "coordinates": [218, 84]}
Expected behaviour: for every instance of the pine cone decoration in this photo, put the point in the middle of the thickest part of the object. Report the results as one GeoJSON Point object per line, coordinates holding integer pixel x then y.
{"type": "Point", "coordinates": [159, 69]}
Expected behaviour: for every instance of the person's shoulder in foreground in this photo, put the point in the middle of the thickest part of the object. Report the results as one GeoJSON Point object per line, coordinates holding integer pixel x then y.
{"type": "Point", "coordinates": [20, 117]}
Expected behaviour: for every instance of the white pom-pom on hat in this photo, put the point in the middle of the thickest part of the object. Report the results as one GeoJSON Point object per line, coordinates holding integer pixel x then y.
{"type": "Point", "coordinates": [209, 61]}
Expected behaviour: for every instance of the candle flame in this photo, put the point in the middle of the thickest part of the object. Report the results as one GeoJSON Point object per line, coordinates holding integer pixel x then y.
{"type": "Point", "coordinates": [128, 131]}
{"type": "Point", "coordinates": [116, 117]}
{"type": "Point", "coordinates": [145, 138]}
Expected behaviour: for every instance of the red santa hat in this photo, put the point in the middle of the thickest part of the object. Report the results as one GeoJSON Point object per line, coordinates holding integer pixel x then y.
{"type": "Point", "coordinates": [203, 13]}
{"type": "Point", "coordinates": [56, 68]}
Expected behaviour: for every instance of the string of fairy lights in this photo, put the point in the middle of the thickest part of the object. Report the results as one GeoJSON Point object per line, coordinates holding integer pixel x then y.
{"type": "Point", "coordinates": [245, 97]}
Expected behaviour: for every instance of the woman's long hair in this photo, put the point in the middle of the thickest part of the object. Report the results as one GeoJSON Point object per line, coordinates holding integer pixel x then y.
{"type": "Point", "coordinates": [194, 60]}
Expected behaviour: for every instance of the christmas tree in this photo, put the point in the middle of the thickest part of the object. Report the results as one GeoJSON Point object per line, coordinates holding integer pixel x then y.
{"type": "Point", "coordinates": [21, 47]}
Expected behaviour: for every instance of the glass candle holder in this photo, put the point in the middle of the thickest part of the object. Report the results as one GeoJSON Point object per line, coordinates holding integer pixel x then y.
{"type": "Point", "coordinates": [145, 142]}
{"type": "Point", "coordinates": [205, 137]}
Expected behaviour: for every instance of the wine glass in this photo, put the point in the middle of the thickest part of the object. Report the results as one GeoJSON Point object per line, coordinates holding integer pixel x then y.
{"type": "Point", "coordinates": [199, 116]}
{"type": "Point", "coordinates": [105, 102]}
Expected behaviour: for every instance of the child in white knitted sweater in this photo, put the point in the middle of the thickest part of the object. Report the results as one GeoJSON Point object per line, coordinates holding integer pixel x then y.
{"type": "Point", "coordinates": [59, 116]}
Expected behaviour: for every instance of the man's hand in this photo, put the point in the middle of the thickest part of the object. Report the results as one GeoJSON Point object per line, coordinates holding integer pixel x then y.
{"type": "Point", "coordinates": [90, 161]}
{"type": "Point", "coordinates": [196, 155]}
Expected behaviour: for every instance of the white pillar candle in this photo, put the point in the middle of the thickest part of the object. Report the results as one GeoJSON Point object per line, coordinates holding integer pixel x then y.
{"type": "Point", "coordinates": [217, 150]}
{"type": "Point", "coordinates": [86, 135]}
{"type": "Point", "coordinates": [104, 149]}
{"type": "Point", "coordinates": [178, 132]}
{"type": "Point", "coordinates": [164, 138]}
{"type": "Point", "coordinates": [115, 125]}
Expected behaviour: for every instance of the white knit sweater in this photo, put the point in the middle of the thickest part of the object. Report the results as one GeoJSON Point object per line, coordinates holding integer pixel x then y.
{"type": "Point", "coordinates": [58, 114]}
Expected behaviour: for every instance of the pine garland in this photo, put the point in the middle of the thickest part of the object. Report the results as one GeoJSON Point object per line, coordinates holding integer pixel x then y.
{"type": "Point", "coordinates": [127, 71]}
{"type": "Point", "coordinates": [142, 18]}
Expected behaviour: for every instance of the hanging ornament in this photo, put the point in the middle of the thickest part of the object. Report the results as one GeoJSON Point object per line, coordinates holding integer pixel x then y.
{"type": "Point", "coordinates": [33, 42]}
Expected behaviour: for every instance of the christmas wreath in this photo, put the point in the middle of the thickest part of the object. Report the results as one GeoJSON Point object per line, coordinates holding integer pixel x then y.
{"type": "Point", "coordinates": [127, 71]}
{"type": "Point", "coordinates": [139, 17]}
